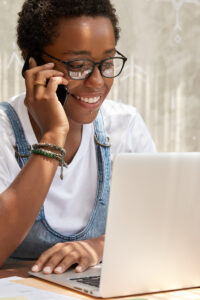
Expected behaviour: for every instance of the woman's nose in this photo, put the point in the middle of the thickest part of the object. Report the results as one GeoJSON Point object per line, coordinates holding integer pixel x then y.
{"type": "Point", "coordinates": [95, 80]}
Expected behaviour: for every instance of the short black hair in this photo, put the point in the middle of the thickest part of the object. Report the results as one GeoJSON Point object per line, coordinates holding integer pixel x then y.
{"type": "Point", "coordinates": [38, 19]}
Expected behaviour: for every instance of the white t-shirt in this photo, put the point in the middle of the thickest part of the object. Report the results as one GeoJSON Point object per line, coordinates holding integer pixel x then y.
{"type": "Point", "coordinates": [70, 201]}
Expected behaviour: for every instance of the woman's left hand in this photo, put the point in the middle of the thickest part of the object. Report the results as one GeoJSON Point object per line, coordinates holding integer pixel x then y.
{"type": "Point", "coordinates": [60, 257]}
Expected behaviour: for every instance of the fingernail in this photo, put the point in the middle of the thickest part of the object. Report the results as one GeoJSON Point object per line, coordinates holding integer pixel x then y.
{"type": "Point", "coordinates": [79, 269]}
{"type": "Point", "coordinates": [47, 270]}
{"type": "Point", "coordinates": [35, 268]}
{"type": "Point", "coordinates": [50, 64]}
{"type": "Point", "coordinates": [58, 270]}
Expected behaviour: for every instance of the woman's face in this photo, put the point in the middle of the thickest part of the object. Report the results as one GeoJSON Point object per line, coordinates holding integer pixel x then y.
{"type": "Point", "coordinates": [84, 38]}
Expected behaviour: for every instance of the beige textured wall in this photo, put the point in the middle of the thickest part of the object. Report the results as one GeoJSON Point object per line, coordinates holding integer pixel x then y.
{"type": "Point", "coordinates": [161, 40]}
{"type": "Point", "coordinates": [11, 63]}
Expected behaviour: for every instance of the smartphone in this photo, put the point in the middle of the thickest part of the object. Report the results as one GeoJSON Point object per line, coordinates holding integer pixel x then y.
{"type": "Point", "coordinates": [62, 91]}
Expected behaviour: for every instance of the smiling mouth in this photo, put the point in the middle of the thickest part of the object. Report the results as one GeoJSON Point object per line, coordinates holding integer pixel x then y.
{"type": "Point", "coordinates": [89, 100]}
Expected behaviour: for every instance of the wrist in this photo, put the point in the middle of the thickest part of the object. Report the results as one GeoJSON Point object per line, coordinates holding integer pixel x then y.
{"type": "Point", "coordinates": [56, 137]}
{"type": "Point", "coordinates": [99, 241]}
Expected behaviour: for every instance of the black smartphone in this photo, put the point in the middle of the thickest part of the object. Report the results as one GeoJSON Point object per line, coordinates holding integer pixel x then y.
{"type": "Point", "coordinates": [62, 91]}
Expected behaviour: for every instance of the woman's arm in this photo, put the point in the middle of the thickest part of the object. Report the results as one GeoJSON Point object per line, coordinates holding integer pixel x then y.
{"type": "Point", "coordinates": [21, 202]}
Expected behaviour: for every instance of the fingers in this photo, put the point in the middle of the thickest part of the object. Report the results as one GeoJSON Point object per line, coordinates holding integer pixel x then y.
{"type": "Point", "coordinates": [83, 264]}
{"type": "Point", "coordinates": [44, 258]}
{"type": "Point", "coordinates": [46, 92]}
{"type": "Point", "coordinates": [67, 262]}
{"type": "Point", "coordinates": [62, 256]}
{"type": "Point", "coordinates": [51, 258]}
{"type": "Point", "coordinates": [43, 75]}
{"type": "Point", "coordinates": [54, 82]}
{"type": "Point", "coordinates": [40, 74]}
{"type": "Point", "coordinates": [29, 77]}
{"type": "Point", "coordinates": [34, 69]}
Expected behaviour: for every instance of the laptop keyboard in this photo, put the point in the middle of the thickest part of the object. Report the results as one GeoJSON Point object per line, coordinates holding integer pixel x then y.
{"type": "Point", "coordinates": [92, 280]}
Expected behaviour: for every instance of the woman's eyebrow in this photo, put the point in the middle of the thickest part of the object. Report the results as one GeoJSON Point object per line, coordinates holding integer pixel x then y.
{"type": "Point", "coordinates": [84, 52]}
{"type": "Point", "coordinates": [110, 51]}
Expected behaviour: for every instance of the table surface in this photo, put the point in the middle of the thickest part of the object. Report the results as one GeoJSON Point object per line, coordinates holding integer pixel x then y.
{"type": "Point", "coordinates": [14, 267]}
{"type": "Point", "coordinates": [21, 267]}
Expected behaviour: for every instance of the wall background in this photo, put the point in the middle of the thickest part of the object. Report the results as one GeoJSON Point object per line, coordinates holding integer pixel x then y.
{"type": "Point", "coordinates": [162, 76]}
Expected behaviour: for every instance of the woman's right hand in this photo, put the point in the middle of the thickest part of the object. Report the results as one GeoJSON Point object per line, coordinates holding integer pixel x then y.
{"type": "Point", "coordinates": [42, 101]}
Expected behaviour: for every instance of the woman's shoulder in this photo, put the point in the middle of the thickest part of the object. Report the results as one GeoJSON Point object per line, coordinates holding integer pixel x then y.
{"type": "Point", "coordinates": [17, 102]}
{"type": "Point", "coordinates": [126, 128]}
{"type": "Point", "coordinates": [118, 114]}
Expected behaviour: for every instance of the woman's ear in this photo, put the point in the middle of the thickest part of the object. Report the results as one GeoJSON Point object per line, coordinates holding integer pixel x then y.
{"type": "Point", "coordinates": [24, 53]}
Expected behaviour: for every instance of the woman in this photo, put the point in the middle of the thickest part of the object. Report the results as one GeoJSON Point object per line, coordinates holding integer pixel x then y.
{"type": "Point", "coordinates": [62, 222]}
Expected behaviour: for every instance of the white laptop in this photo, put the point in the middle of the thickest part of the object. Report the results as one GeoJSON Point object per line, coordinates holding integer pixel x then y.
{"type": "Point", "coordinates": [152, 239]}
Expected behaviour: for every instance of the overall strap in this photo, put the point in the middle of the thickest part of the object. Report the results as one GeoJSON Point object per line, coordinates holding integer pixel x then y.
{"type": "Point", "coordinates": [22, 148]}
{"type": "Point", "coordinates": [100, 134]}
{"type": "Point", "coordinates": [103, 158]}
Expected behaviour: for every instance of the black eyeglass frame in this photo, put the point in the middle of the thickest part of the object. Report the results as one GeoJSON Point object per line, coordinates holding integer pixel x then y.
{"type": "Point", "coordinates": [67, 63]}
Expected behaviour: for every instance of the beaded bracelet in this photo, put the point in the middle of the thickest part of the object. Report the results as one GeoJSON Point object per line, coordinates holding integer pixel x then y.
{"type": "Point", "coordinates": [50, 154]}
{"type": "Point", "coordinates": [50, 146]}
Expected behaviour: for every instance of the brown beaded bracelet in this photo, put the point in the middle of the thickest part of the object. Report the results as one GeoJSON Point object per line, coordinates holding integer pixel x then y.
{"type": "Point", "coordinates": [50, 154]}
{"type": "Point", "coordinates": [50, 146]}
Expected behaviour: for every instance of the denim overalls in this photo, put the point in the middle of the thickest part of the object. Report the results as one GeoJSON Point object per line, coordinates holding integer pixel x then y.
{"type": "Point", "coordinates": [42, 236]}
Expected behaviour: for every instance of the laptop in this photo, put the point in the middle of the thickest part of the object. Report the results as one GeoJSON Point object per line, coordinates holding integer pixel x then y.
{"type": "Point", "coordinates": [152, 241]}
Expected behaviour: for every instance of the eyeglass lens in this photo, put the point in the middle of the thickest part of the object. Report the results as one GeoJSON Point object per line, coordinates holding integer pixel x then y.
{"type": "Point", "coordinates": [81, 69]}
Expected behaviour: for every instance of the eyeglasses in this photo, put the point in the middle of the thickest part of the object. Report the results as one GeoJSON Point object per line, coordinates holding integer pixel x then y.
{"type": "Point", "coordinates": [80, 69]}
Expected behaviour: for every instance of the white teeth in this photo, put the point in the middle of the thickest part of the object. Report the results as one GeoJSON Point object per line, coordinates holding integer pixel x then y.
{"type": "Point", "coordinates": [89, 100]}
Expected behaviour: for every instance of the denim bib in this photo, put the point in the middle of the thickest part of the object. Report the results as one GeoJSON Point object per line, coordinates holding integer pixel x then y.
{"type": "Point", "coordinates": [42, 236]}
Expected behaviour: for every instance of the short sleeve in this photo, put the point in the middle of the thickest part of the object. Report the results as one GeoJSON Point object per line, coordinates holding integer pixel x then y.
{"type": "Point", "coordinates": [4, 171]}
{"type": "Point", "coordinates": [138, 136]}
{"type": "Point", "coordinates": [126, 129]}
{"type": "Point", "coordinates": [9, 168]}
